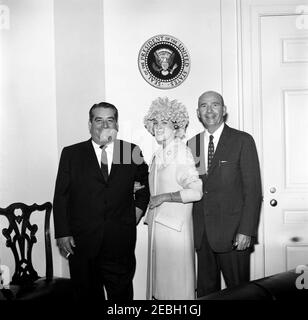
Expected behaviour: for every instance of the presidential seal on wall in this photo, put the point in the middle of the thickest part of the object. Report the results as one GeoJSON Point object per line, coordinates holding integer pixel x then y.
{"type": "Point", "coordinates": [164, 62]}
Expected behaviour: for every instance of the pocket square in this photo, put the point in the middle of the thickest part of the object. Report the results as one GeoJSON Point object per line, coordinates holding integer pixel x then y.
{"type": "Point", "coordinates": [223, 162]}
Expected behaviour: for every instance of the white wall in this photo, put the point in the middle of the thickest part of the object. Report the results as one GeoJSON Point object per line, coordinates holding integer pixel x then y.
{"type": "Point", "coordinates": [127, 25]}
{"type": "Point", "coordinates": [28, 141]}
{"type": "Point", "coordinates": [60, 57]}
{"type": "Point", "coordinates": [52, 72]}
{"type": "Point", "coordinates": [79, 55]}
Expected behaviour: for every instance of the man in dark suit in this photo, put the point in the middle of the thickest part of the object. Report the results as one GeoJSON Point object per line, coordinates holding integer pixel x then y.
{"type": "Point", "coordinates": [96, 210]}
{"type": "Point", "coordinates": [226, 218]}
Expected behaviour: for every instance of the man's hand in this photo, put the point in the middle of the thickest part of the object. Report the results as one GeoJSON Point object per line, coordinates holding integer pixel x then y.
{"type": "Point", "coordinates": [242, 242]}
{"type": "Point", "coordinates": [137, 186]}
{"type": "Point", "coordinates": [65, 245]}
{"type": "Point", "coordinates": [139, 213]}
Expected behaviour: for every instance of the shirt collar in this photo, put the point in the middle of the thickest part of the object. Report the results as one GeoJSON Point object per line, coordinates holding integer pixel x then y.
{"type": "Point", "coordinates": [109, 148]}
{"type": "Point", "coordinates": [216, 134]}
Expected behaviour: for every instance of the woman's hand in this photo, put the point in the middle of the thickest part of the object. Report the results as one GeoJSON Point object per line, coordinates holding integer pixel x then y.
{"type": "Point", "coordinates": [156, 201]}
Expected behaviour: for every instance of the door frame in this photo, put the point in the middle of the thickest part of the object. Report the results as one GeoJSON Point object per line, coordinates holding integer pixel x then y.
{"type": "Point", "coordinates": [241, 77]}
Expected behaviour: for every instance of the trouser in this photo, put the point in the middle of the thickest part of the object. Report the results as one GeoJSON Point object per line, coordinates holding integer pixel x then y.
{"type": "Point", "coordinates": [91, 276]}
{"type": "Point", "coordinates": [234, 266]}
{"type": "Point", "coordinates": [112, 267]}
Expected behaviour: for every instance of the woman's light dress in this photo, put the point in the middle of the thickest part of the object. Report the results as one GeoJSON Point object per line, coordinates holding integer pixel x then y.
{"type": "Point", "coordinates": [171, 268]}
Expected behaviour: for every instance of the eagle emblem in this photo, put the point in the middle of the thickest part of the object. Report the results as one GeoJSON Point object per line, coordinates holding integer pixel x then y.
{"type": "Point", "coordinates": [164, 61]}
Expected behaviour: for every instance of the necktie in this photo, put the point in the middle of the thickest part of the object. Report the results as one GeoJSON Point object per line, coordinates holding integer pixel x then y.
{"type": "Point", "coordinates": [210, 154]}
{"type": "Point", "coordinates": [104, 162]}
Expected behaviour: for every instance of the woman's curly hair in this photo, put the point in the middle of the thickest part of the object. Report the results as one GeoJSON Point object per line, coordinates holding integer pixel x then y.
{"type": "Point", "coordinates": [162, 109]}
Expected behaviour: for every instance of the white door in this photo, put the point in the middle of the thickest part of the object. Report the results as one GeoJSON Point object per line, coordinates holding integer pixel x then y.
{"type": "Point", "coordinates": [284, 97]}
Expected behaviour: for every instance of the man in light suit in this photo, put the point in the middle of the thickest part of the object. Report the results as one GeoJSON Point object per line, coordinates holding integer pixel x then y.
{"type": "Point", "coordinates": [226, 218]}
{"type": "Point", "coordinates": [96, 210]}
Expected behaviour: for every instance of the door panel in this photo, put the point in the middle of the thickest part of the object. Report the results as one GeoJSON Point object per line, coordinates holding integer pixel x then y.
{"type": "Point", "coordinates": [284, 97]}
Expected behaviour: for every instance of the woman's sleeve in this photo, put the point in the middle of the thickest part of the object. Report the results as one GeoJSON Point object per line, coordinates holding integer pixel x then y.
{"type": "Point", "coordinates": [187, 176]}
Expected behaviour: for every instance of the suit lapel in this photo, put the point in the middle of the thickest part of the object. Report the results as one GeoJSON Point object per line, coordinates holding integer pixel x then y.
{"type": "Point", "coordinates": [91, 161]}
{"type": "Point", "coordinates": [220, 149]}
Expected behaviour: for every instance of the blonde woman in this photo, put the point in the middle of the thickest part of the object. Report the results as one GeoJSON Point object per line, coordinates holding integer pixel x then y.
{"type": "Point", "coordinates": [174, 185]}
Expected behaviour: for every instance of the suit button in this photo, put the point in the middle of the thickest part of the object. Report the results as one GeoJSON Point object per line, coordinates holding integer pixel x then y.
{"type": "Point", "coordinates": [205, 192]}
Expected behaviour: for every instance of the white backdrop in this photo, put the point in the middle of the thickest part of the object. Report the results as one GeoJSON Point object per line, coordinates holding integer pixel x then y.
{"type": "Point", "coordinates": [60, 57]}
{"type": "Point", "coordinates": [127, 25]}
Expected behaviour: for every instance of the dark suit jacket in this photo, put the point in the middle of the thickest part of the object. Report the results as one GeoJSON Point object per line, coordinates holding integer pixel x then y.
{"type": "Point", "coordinates": [231, 190]}
{"type": "Point", "coordinates": [85, 206]}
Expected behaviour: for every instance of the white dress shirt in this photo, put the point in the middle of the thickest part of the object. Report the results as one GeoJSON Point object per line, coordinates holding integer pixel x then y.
{"type": "Point", "coordinates": [216, 138]}
{"type": "Point", "coordinates": [109, 151]}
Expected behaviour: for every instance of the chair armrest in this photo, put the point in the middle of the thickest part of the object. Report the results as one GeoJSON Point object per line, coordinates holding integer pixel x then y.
{"type": "Point", "coordinates": [6, 294]}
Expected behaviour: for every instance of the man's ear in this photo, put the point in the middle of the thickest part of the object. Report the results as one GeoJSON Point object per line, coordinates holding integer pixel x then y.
{"type": "Point", "coordinates": [224, 110]}
{"type": "Point", "coordinates": [198, 113]}
{"type": "Point", "coordinates": [89, 125]}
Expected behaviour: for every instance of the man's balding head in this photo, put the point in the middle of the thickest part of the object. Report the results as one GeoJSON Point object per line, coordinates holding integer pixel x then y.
{"type": "Point", "coordinates": [211, 110]}
{"type": "Point", "coordinates": [212, 93]}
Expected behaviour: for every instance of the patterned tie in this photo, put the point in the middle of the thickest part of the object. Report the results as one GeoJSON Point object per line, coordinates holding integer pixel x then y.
{"type": "Point", "coordinates": [104, 162]}
{"type": "Point", "coordinates": [210, 154]}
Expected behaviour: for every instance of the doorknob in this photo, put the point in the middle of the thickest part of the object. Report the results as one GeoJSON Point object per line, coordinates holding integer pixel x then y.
{"type": "Point", "coordinates": [272, 190]}
{"type": "Point", "coordinates": [273, 203]}
{"type": "Point", "coordinates": [296, 239]}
